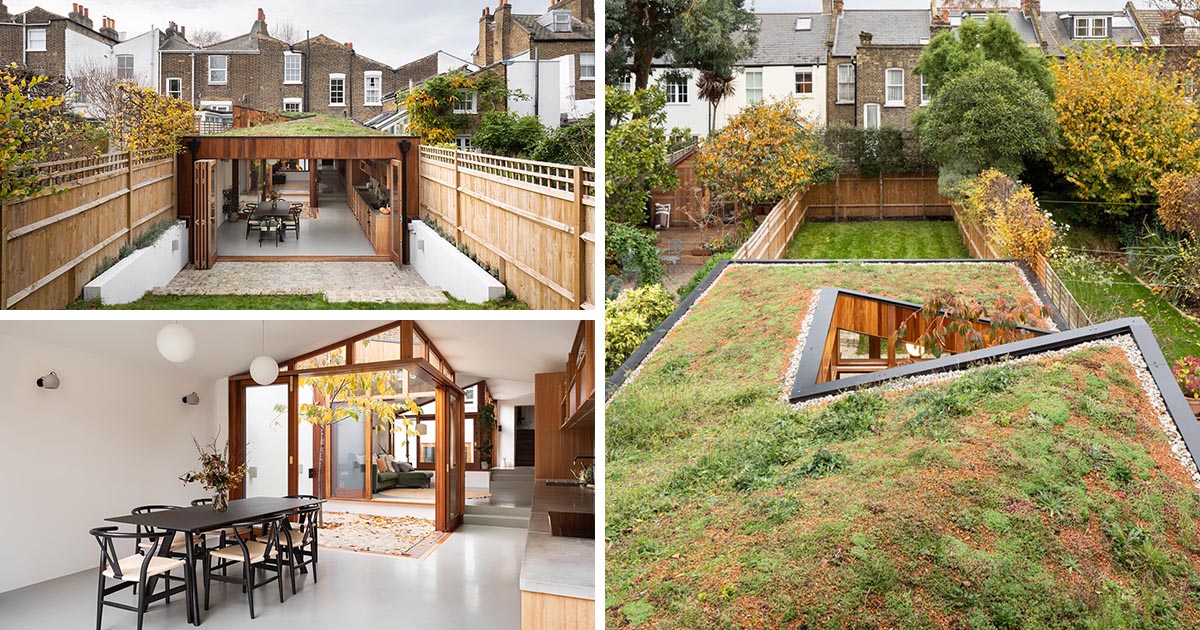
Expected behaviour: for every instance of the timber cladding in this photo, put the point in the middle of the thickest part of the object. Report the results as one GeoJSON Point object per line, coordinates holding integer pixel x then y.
{"type": "Point", "coordinates": [52, 242]}
{"type": "Point", "coordinates": [533, 221]}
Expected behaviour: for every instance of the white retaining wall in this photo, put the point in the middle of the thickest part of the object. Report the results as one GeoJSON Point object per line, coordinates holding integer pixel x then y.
{"type": "Point", "coordinates": [145, 269]}
{"type": "Point", "coordinates": [441, 265]}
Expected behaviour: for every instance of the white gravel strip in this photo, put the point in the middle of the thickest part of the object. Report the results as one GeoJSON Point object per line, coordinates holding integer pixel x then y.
{"type": "Point", "coordinates": [789, 379]}
{"type": "Point", "coordinates": [1124, 342]}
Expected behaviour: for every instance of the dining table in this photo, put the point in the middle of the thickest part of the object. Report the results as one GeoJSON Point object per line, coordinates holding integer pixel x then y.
{"type": "Point", "coordinates": [193, 521]}
{"type": "Point", "coordinates": [265, 211]}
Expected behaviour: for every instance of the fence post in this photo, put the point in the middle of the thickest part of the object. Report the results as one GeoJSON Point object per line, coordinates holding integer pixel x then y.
{"type": "Point", "coordinates": [128, 197]}
{"type": "Point", "coordinates": [881, 195]}
{"type": "Point", "coordinates": [457, 204]}
{"type": "Point", "coordinates": [3, 266]}
{"type": "Point", "coordinates": [837, 195]}
{"type": "Point", "coordinates": [580, 225]}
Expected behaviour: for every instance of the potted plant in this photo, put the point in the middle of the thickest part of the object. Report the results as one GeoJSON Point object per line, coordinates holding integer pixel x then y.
{"type": "Point", "coordinates": [231, 205]}
{"type": "Point", "coordinates": [1187, 374]}
{"type": "Point", "coordinates": [214, 474]}
{"type": "Point", "coordinates": [486, 423]}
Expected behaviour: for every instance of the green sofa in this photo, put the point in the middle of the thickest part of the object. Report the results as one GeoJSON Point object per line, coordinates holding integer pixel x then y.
{"type": "Point", "coordinates": [388, 480]}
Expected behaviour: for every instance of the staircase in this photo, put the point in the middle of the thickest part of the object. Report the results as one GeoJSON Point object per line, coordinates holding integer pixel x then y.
{"type": "Point", "coordinates": [512, 494]}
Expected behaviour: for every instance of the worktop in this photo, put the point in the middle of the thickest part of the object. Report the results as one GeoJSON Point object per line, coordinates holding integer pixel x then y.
{"type": "Point", "coordinates": [559, 565]}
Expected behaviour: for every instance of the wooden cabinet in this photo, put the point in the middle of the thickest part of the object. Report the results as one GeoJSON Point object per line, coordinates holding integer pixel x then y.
{"type": "Point", "coordinates": [377, 227]}
{"type": "Point", "coordinates": [542, 611]}
{"type": "Point", "coordinates": [579, 390]}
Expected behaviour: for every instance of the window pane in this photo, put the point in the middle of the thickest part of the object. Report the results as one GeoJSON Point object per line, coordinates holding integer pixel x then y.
{"type": "Point", "coordinates": [804, 83]}
{"type": "Point", "coordinates": [337, 356]}
{"type": "Point", "coordinates": [384, 346]}
{"type": "Point", "coordinates": [754, 89]}
{"type": "Point", "coordinates": [587, 66]}
{"type": "Point", "coordinates": [291, 68]}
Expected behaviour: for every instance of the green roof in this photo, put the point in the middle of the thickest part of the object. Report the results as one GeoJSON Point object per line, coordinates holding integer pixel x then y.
{"type": "Point", "coordinates": [315, 126]}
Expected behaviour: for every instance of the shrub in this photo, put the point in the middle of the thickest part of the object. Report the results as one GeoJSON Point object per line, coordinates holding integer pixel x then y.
{"type": "Point", "coordinates": [634, 250]}
{"type": "Point", "coordinates": [1168, 264]}
{"type": "Point", "coordinates": [574, 144]}
{"type": "Point", "coordinates": [635, 157]}
{"type": "Point", "coordinates": [630, 319]}
{"type": "Point", "coordinates": [508, 134]}
{"type": "Point", "coordinates": [1010, 212]}
{"type": "Point", "coordinates": [1179, 203]}
{"type": "Point", "coordinates": [702, 273]}
{"type": "Point", "coordinates": [1187, 374]}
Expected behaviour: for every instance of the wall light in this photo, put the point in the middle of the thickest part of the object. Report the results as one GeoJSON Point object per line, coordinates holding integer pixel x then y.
{"type": "Point", "coordinates": [192, 399]}
{"type": "Point", "coordinates": [49, 381]}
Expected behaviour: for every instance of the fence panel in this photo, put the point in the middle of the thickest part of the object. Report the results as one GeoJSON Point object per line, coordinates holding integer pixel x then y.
{"type": "Point", "coordinates": [888, 197]}
{"type": "Point", "coordinates": [531, 220]}
{"type": "Point", "coordinates": [771, 239]}
{"type": "Point", "coordinates": [53, 241]}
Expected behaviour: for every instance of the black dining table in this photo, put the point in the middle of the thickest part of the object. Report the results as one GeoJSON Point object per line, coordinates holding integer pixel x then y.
{"type": "Point", "coordinates": [193, 521]}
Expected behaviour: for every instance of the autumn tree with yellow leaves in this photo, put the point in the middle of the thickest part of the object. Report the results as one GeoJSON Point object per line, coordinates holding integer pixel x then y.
{"type": "Point", "coordinates": [1179, 203]}
{"type": "Point", "coordinates": [145, 119]}
{"type": "Point", "coordinates": [765, 153]}
{"type": "Point", "coordinates": [438, 108]}
{"type": "Point", "coordinates": [1124, 122]}
{"type": "Point", "coordinates": [28, 132]}
{"type": "Point", "coordinates": [1010, 212]}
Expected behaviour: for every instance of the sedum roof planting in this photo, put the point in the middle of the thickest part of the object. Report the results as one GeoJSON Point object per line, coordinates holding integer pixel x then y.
{"type": "Point", "coordinates": [316, 125]}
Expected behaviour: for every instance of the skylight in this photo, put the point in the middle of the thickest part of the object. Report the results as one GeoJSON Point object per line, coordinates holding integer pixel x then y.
{"type": "Point", "coordinates": [803, 24]}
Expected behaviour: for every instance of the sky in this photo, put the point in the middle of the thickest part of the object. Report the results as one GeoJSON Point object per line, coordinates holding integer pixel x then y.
{"type": "Point", "coordinates": [393, 32]}
{"type": "Point", "coordinates": [799, 6]}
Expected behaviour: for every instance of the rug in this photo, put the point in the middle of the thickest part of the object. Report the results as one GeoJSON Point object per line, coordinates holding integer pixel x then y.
{"type": "Point", "coordinates": [390, 535]}
{"type": "Point", "coordinates": [428, 493]}
{"type": "Point", "coordinates": [310, 213]}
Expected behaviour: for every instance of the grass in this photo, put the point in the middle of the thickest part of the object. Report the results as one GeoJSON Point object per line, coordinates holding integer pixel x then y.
{"type": "Point", "coordinates": [308, 126]}
{"type": "Point", "coordinates": [875, 240]}
{"type": "Point", "coordinates": [285, 303]}
{"type": "Point", "coordinates": [1126, 296]}
{"type": "Point", "coordinates": [1037, 495]}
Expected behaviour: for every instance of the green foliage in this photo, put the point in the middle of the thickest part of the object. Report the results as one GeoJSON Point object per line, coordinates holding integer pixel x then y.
{"type": "Point", "coordinates": [635, 153]}
{"type": "Point", "coordinates": [822, 463]}
{"type": "Point", "coordinates": [29, 123]}
{"type": "Point", "coordinates": [987, 117]}
{"type": "Point", "coordinates": [630, 319]}
{"type": "Point", "coordinates": [143, 240]}
{"type": "Point", "coordinates": [847, 418]}
{"type": "Point", "coordinates": [431, 105]}
{"type": "Point", "coordinates": [633, 250]}
{"type": "Point", "coordinates": [702, 273]}
{"type": "Point", "coordinates": [146, 119]}
{"type": "Point", "coordinates": [1169, 264]}
{"type": "Point", "coordinates": [508, 134]}
{"type": "Point", "coordinates": [953, 53]}
{"type": "Point", "coordinates": [874, 152]}
{"type": "Point", "coordinates": [573, 144]}
{"type": "Point", "coordinates": [230, 201]}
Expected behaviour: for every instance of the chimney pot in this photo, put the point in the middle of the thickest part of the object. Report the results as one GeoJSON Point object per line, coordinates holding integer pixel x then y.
{"type": "Point", "coordinates": [183, 31]}
{"type": "Point", "coordinates": [865, 38]}
{"type": "Point", "coordinates": [261, 16]}
{"type": "Point", "coordinates": [86, 12]}
{"type": "Point", "coordinates": [350, 45]}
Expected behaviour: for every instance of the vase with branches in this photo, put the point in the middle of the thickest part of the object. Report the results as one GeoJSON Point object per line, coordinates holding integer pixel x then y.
{"type": "Point", "coordinates": [214, 473]}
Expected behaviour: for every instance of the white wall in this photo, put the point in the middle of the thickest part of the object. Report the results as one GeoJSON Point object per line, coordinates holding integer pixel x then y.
{"type": "Point", "coordinates": [549, 97]}
{"type": "Point", "coordinates": [83, 52]}
{"type": "Point", "coordinates": [113, 436]}
{"type": "Point", "coordinates": [693, 114]}
{"type": "Point", "coordinates": [144, 49]}
{"type": "Point", "coordinates": [442, 266]}
{"type": "Point", "coordinates": [779, 82]}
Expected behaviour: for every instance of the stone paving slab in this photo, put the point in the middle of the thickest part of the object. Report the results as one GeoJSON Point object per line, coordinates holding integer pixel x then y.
{"type": "Point", "coordinates": [337, 281]}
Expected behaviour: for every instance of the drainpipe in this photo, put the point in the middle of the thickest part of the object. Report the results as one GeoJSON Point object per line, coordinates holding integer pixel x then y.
{"type": "Point", "coordinates": [854, 66]}
{"type": "Point", "coordinates": [537, 82]}
{"type": "Point", "coordinates": [193, 80]}
{"type": "Point", "coordinates": [350, 87]}
{"type": "Point", "coordinates": [25, 40]}
{"type": "Point", "coordinates": [307, 58]}
{"type": "Point", "coordinates": [405, 145]}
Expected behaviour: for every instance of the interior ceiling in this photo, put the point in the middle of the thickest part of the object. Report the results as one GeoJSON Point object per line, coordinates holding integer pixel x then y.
{"type": "Point", "coordinates": [505, 353]}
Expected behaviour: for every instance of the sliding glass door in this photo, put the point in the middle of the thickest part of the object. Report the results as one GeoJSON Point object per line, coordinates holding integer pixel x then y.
{"type": "Point", "coordinates": [266, 413]}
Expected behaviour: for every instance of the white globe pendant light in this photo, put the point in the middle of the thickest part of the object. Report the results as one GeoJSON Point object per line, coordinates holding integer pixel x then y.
{"type": "Point", "coordinates": [264, 370]}
{"type": "Point", "coordinates": [176, 343]}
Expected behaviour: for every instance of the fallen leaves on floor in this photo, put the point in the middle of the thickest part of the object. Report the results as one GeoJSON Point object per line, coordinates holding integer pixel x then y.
{"type": "Point", "coordinates": [392, 535]}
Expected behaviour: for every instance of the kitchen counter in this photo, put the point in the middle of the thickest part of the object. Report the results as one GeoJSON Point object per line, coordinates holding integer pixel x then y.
{"type": "Point", "coordinates": [559, 565]}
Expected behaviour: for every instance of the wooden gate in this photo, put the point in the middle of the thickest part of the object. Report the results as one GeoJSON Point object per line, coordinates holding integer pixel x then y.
{"type": "Point", "coordinates": [204, 216]}
{"type": "Point", "coordinates": [399, 212]}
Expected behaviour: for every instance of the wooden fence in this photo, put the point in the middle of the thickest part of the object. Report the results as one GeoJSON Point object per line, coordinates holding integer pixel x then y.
{"type": "Point", "coordinates": [534, 221]}
{"type": "Point", "coordinates": [771, 239]}
{"type": "Point", "coordinates": [51, 243]}
{"type": "Point", "coordinates": [850, 197]}
{"type": "Point", "coordinates": [979, 243]}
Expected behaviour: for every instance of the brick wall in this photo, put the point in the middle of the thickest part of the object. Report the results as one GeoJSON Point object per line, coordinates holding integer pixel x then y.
{"type": "Point", "coordinates": [835, 113]}
{"type": "Point", "coordinates": [54, 59]}
{"type": "Point", "coordinates": [558, 48]}
{"type": "Point", "coordinates": [873, 61]}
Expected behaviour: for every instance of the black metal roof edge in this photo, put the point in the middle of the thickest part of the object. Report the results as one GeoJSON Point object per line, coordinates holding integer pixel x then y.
{"type": "Point", "coordinates": [1043, 295]}
{"type": "Point", "coordinates": [617, 378]}
{"type": "Point", "coordinates": [814, 345]}
{"type": "Point", "coordinates": [1156, 363]}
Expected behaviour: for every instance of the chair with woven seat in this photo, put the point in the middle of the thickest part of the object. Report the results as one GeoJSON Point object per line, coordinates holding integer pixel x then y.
{"type": "Point", "coordinates": [253, 553]}
{"type": "Point", "coordinates": [137, 570]}
{"type": "Point", "coordinates": [299, 544]}
{"type": "Point", "coordinates": [252, 222]}
{"type": "Point", "coordinates": [177, 545]}
{"type": "Point", "coordinates": [292, 221]}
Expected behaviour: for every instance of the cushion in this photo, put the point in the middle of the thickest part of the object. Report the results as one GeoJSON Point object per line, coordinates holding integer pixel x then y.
{"type": "Point", "coordinates": [387, 476]}
{"type": "Point", "coordinates": [404, 467]}
{"type": "Point", "coordinates": [131, 567]}
{"type": "Point", "coordinates": [382, 464]}
{"type": "Point", "coordinates": [258, 552]}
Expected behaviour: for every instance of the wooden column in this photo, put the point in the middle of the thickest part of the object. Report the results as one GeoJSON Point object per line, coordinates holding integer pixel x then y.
{"type": "Point", "coordinates": [580, 246]}
{"type": "Point", "coordinates": [237, 188]}
{"type": "Point", "coordinates": [312, 183]}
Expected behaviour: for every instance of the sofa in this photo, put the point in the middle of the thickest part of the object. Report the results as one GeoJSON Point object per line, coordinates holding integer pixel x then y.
{"type": "Point", "coordinates": [386, 480]}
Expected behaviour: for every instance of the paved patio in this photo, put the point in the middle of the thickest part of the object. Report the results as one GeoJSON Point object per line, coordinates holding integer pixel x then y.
{"type": "Point", "coordinates": [337, 281]}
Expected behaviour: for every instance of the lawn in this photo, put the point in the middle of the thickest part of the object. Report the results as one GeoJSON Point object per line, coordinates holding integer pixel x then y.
{"type": "Point", "coordinates": [1041, 495]}
{"type": "Point", "coordinates": [877, 240]}
{"type": "Point", "coordinates": [1178, 335]}
{"type": "Point", "coordinates": [286, 303]}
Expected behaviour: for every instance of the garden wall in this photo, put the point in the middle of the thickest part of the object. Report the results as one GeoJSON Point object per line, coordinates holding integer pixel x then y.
{"type": "Point", "coordinates": [441, 265]}
{"type": "Point", "coordinates": [145, 269]}
{"type": "Point", "coordinates": [51, 243]}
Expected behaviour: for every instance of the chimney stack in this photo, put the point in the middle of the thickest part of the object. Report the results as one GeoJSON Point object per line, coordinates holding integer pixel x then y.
{"type": "Point", "coordinates": [350, 45]}
{"type": "Point", "coordinates": [183, 31]}
{"type": "Point", "coordinates": [109, 29]}
{"type": "Point", "coordinates": [261, 16]}
{"type": "Point", "coordinates": [80, 16]}
{"type": "Point", "coordinates": [4, 14]}
{"type": "Point", "coordinates": [864, 38]}
{"type": "Point", "coordinates": [1031, 7]}
{"type": "Point", "coordinates": [838, 5]}
{"type": "Point", "coordinates": [1171, 31]}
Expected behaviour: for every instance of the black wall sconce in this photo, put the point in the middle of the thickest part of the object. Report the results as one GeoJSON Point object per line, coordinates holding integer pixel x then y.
{"type": "Point", "coordinates": [49, 381]}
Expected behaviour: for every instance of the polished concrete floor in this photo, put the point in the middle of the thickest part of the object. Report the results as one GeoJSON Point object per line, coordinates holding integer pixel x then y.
{"type": "Point", "coordinates": [470, 581]}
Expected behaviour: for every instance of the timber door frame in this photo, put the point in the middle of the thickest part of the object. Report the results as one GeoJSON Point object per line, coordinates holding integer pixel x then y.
{"type": "Point", "coordinates": [204, 213]}
{"type": "Point", "coordinates": [447, 516]}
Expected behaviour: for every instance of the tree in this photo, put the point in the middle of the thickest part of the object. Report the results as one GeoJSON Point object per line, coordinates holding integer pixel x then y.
{"type": "Point", "coordinates": [952, 53]}
{"type": "Point", "coordinates": [635, 153]}
{"type": "Point", "coordinates": [703, 34]}
{"type": "Point", "coordinates": [714, 88]}
{"type": "Point", "coordinates": [1179, 203]}
{"type": "Point", "coordinates": [95, 84]}
{"type": "Point", "coordinates": [1189, 8]}
{"type": "Point", "coordinates": [287, 31]}
{"type": "Point", "coordinates": [206, 37]}
{"type": "Point", "coordinates": [946, 314]}
{"type": "Point", "coordinates": [432, 105]}
{"type": "Point", "coordinates": [146, 119]}
{"type": "Point", "coordinates": [573, 144]}
{"type": "Point", "coordinates": [987, 117]}
{"type": "Point", "coordinates": [765, 153]}
{"type": "Point", "coordinates": [29, 134]}
{"type": "Point", "coordinates": [1125, 122]}
{"type": "Point", "coordinates": [509, 134]}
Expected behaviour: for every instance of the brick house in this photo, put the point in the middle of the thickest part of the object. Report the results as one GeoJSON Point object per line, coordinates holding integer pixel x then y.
{"type": "Point", "coordinates": [258, 71]}
{"type": "Point", "coordinates": [872, 58]}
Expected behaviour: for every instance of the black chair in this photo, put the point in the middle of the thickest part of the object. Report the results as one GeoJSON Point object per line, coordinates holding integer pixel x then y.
{"type": "Point", "coordinates": [292, 222]}
{"type": "Point", "coordinates": [300, 544]}
{"type": "Point", "coordinates": [177, 545]}
{"type": "Point", "coordinates": [252, 222]}
{"type": "Point", "coordinates": [137, 570]}
{"type": "Point", "coordinates": [252, 553]}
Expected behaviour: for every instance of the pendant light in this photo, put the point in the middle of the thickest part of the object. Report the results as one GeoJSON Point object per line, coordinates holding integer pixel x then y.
{"type": "Point", "coordinates": [264, 370]}
{"type": "Point", "coordinates": [176, 343]}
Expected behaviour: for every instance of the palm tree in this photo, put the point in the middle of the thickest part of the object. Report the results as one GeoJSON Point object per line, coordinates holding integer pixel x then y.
{"type": "Point", "coordinates": [714, 88]}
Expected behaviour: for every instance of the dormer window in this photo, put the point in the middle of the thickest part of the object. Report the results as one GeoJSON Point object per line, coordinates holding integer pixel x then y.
{"type": "Point", "coordinates": [1091, 27]}
{"type": "Point", "coordinates": [803, 24]}
{"type": "Point", "coordinates": [562, 22]}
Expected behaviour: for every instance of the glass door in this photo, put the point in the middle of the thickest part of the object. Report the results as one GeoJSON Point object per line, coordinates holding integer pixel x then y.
{"type": "Point", "coordinates": [266, 413]}
{"type": "Point", "coordinates": [451, 466]}
{"type": "Point", "coordinates": [348, 457]}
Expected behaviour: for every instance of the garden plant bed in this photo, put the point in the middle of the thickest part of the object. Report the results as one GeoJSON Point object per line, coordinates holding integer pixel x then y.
{"type": "Point", "coordinates": [877, 239]}
{"type": "Point", "coordinates": [1042, 494]}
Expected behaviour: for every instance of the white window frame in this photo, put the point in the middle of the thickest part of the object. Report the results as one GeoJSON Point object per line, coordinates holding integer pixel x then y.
{"type": "Point", "coordinates": [298, 102]}
{"type": "Point", "coordinates": [754, 94]}
{"type": "Point", "coordinates": [889, 85]}
{"type": "Point", "coordinates": [178, 91]}
{"type": "Point", "coordinates": [342, 89]}
{"type": "Point", "coordinates": [468, 102]}
{"type": "Point", "coordinates": [463, 143]}
{"type": "Point", "coordinates": [627, 83]}
{"type": "Point", "coordinates": [845, 79]}
{"type": "Point", "coordinates": [299, 70]}
{"type": "Point", "coordinates": [132, 72]}
{"type": "Point", "coordinates": [373, 97]}
{"type": "Point", "coordinates": [563, 19]}
{"type": "Point", "coordinates": [218, 106]}
{"type": "Point", "coordinates": [224, 77]}
{"type": "Point", "coordinates": [1089, 22]}
{"type": "Point", "coordinates": [868, 108]}
{"type": "Point", "coordinates": [804, 24]}
{"type": "Point", "coordinates": [924, 91]}
{"type": "Point", "coordinates": [29, 41]}
{"type": "Point", "coordinates": [811, 85]}
{"type": "Point", "coordinates": [677, 90]}
{"type": "Point", "coordinates": [587, 66]}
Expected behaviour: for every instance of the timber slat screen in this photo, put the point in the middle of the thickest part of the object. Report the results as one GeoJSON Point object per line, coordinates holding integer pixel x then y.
{"type": "Point", "coordinates": [52, 242]}
{"type": "Point", "coordinates": [770, 241]}
{"type": "Point", "coordinates": [534, 221]}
